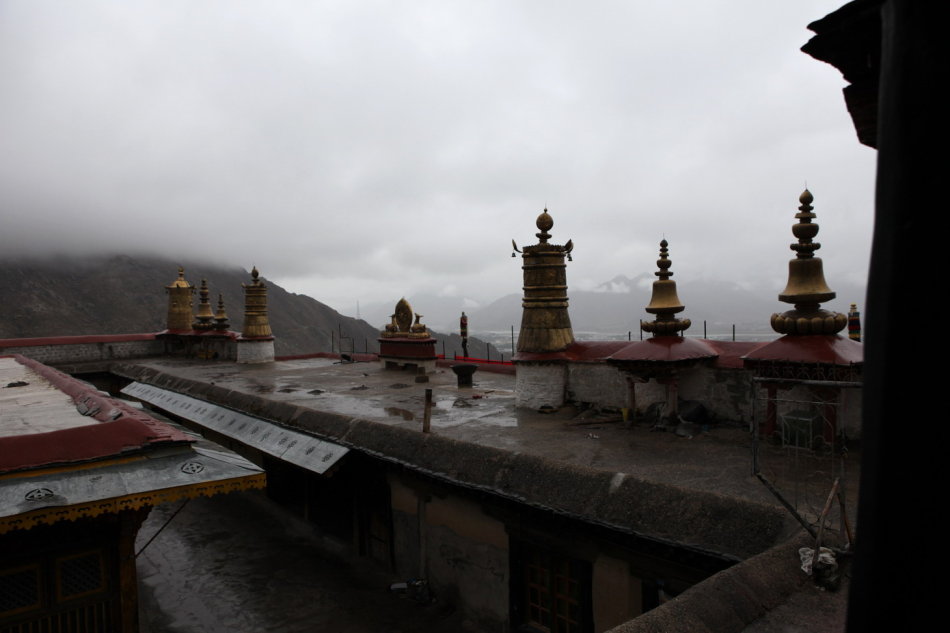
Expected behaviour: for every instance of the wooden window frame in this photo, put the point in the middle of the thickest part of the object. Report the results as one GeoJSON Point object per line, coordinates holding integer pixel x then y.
{"type": "Point", "coordinates": [38, 576]}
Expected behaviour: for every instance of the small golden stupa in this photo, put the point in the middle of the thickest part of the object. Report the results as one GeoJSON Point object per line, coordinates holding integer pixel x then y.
{"type": "Point", "coordinates": [221, 317]}
{"type": "Point", "coordinates": [180, 294]}
{"type": "Point", "coordinates": [204, 320]}
{"type": "Point", "coordinates": [665, 303]}
{"type": "Point", "coordinates": [806, 287]}
{"type": "Point", "coordinates": [255, 308]}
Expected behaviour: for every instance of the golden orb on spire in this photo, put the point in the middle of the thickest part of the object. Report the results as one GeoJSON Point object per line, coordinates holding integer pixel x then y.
{"type": "Point", "coordinates": [544, 223]}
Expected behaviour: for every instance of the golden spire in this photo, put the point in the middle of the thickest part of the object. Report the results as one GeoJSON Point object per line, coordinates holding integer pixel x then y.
{"type": "Point", "coordinates": [545, 323]}
{"type": "Point", "coordinates": [806, 287]}
{"type": "Point", "coordinates": [665, 303]}
{"type": "Point", "coordinates": [179, 303]}
{"type": "Point", "coordinates": [255, 308]}
{"type": "Point", "coordinates": [205, 318]}
{"type": "Point", "coordinates": [221, 317]}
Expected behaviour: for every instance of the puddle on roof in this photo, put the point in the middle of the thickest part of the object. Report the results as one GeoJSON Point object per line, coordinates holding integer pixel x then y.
{"type": "Point", "coordinates": [396, 411]}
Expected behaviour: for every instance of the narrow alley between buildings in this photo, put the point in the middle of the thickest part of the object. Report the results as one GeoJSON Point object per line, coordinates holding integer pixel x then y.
{"type": "Point", "coordinates": [240, 562]}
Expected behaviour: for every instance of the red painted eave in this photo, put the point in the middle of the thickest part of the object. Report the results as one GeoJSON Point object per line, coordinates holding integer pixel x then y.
{"type": "Point", "coordinates": [664, 349]}
{"type": "Point", "coordinates": [83, 444]}
{"type": "Point", "coordinates": [541, 357]}
{"type": "Point", "coordinates": [830, 350]}
{"type": "Point", "coordinates": [731, 353]}
{"type": "Point", "coordinates": [121, 429]}
{"type": "Point", "coordinates": [577, 352]}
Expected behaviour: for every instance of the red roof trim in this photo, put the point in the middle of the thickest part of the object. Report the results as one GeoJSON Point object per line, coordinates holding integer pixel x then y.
{"type": "Point", "coordinates": [664, 349]}
{"type": "Point", "coordinates": [123, 428]}
{"type": "Point", "coordinates": [829, 350]}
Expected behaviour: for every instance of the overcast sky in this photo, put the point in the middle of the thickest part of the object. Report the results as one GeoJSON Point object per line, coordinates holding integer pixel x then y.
{"type": "Point", "coordinates": [357, 151]}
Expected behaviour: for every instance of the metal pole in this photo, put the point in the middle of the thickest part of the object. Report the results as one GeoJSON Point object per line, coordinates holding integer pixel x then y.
{"type": "Point", "coordinates": [733, 332]}
{"type": "Point", "coordinates": [704, 329]}
{"type": "Point", "coordinates": [427, 415]}
{"type": "Point", "coordinates": [512, 339]}
{"type": "Point", "coordinates": [787, 505]}
{"type": "Point", "coordinates": [164, 525]}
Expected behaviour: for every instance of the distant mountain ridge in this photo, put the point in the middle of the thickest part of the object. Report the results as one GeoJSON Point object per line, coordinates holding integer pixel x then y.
{"type": "Point", "coordinates": [120, 294]}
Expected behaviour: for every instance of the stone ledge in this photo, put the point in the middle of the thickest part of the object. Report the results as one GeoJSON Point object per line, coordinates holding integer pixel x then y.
{"type": "Point", "coordinates": [703, 521]}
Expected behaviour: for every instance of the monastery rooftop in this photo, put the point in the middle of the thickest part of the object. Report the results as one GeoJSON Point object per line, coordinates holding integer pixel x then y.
{"type": "Point", "coordinates": [583, 464]}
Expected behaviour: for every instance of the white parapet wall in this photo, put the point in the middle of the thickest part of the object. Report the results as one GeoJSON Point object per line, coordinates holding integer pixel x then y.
{"type": "Point", "coordinates": [597, 384]}
{"type": "Point", "coordinates": [540, 385]}
{"type": "Point", "coordinates": [255, 350]}
{"type": "Point", "coordinates": [64, 350]}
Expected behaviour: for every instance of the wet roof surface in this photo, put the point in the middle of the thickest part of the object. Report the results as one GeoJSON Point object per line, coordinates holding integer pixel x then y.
{"type": "Point", "coordinates": [717, 461]}
{"type": "Point", "coordinates": [47, 418]}
{"type": "Point", "coordinates": [29, 404]}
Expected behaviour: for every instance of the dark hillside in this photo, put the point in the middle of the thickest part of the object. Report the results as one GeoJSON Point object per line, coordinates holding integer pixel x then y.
{"type": "Point", "coordinates": [67, 296]}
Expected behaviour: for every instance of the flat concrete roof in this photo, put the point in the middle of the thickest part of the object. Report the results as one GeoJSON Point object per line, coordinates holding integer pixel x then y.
{"type": "Point", "coordinates": [698, 491]}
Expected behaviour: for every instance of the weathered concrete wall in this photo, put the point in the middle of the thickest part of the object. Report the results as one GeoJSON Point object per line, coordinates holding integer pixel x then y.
{"type": "Point", "coordinates": [735, 598]}
{"type": "Point", "coordinates": [849, 413]}
{"type": "Point", "coordinates": [802, 401]}
{"type": "Point", "coordinates": [726, 393]}
{"type": "Point", "coordinates": [61, 353]}
{"type": "Point", "coordinates": [203, 347]}
{"type": "Point", "coordinates": [597, 384]}
{"type": "Point", "coordinates": [538, 385]}
{"type": "Point", "coordinates": [615, 592]}
{"type": "Point", "coordinates": [647, 393]}
{"type": "Point", "coordinates": [251, 351]}
{"type": "Point", "coordinates": [460, 550]}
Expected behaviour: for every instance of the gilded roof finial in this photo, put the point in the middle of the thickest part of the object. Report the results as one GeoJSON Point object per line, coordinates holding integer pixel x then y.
{"type": "Point", "coordinates": [256, 324]}
{"type": "Point", "coordinates": [665, 302]}
{"type": "Point", "coordinates": [180, 294]}
{"type": "Point", "coordinates": [545, 323]}
{"type": "Point", "coordinates": [205, 317]}
{"type": "Point", "coordinates": [544, 223]}
{"type": "Point", "coordinates": [180, 282]}
{"type": "Point", "coordinates": [806, 287]}
{"type": "Point", "coordinates": [221, 317]}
